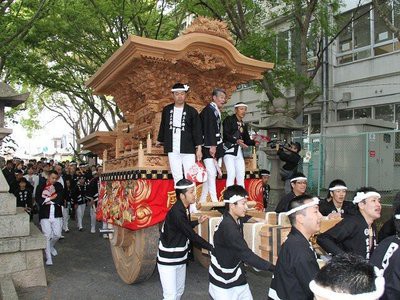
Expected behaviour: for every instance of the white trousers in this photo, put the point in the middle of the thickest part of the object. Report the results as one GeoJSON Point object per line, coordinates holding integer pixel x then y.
{"type": "Point", "coordinates": [65, 218]}
{"type": "Point", "coordinates": [235, 168]}
{"type": "Point", "coordinates": [93, 217]}
{"type": "Point", "coordinates": [105, 225]}
{"type": "Point", "coordinates": [209, 186]}
{"type": "Point", "coordinates": [179, 160]}
{"type": "Point", "coordinates": [241, 292]}
{"type": "Point", "coordinates": [172, 281]}
{"type": "Point", "coordinates": [51, 229]}
{"type": "Point", "coordinates": [80, 211]}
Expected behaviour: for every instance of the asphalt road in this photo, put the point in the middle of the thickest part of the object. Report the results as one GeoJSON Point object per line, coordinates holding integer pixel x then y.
{"type": "Point", "coordinates": [84, 269]}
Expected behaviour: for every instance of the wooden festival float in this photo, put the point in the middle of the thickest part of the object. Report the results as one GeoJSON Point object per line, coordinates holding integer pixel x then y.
{"type": "Point", "coordinates": [136, 186]}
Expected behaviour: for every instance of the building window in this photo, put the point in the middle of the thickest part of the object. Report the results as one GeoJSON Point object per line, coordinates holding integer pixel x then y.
{"type": "Point", "coordinates": [305, 124]}
{"type": "Point", "coordinates": [343, 115]}
{"type": "Point", "coordinates": [360, 113]}
{"type": "Point", "coordinates": [362, 28]}
{"type": "Point", "coordinates": [385, 112]}
{"type": "Point", "coordinates": [354, 42]}
{"type": "Point", "coordinates": [315, 126]}
{"type": "Point", "coordinates": [283, 42]}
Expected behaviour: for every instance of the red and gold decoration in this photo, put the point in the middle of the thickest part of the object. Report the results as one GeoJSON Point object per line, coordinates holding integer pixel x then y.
{"type": "Point", "coordinates": [141, 203]}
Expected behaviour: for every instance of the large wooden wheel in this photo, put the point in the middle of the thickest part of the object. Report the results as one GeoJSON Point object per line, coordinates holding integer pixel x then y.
{"type": "Point", "coordinates": [134, 252]}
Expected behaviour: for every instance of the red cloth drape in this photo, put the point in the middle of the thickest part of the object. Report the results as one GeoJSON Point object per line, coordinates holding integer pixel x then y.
{"type": "Point", "coordinates": [140, 203]}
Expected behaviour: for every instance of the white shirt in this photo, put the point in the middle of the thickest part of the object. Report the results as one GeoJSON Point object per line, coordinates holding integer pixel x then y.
{"type": "Point", "coordinates": [34, 181]}
{"type": "Point", "coordinates": [61, 180]}
{"type": "Point", "coordinates": [176, 132]}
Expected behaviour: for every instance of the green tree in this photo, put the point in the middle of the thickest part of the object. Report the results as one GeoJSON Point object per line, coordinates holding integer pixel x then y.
{"type": "Point", "coordinates": [252, 23]}
{"type": "Point", "coordinates": [71, 42]}
{"type": "Point", "coordinates": [17, 17]}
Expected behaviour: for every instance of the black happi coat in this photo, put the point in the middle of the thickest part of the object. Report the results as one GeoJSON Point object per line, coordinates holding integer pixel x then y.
{"type": "Point", "coordinates": [24, 198]}
{"type": "Point", "coordinates": [191, 135]}
{"type": "Point", "coordinates": [211, 126]}
{"type": "Point", "coordinates": [387, 229]}
{"type": "Point", "coordinates": [296, 267]}
{"type": "Point", "coordinates": [93, 190]}
{"type": "Point", "coordinates": [79, 194]}
{"type": "Point", "coordinates": [349, 235]}
{"type": "Point", "coordinates": [68, 197]}
{"type": "Point", "coordinates": [175, 235]}
{"type": "Point", "coordinates": [230, 252]}
{"type": "Point", "coordinates": [291, 159]}
{"type": "Point", "coordinates": [283, 205]}
{"type": "Point", "coordinates": [233, 132]}
{"type": "Point", "coordinates": [44, 209]}
{"type": "Point", "coordinates": [326, 207]}
{"type": "Point", "coordinates": [266, 193]}
{"type": "Point", "coordinates": [387, 256]}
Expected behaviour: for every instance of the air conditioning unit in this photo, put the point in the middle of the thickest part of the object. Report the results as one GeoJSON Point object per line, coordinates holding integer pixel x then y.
{"type": "Point", "coordinates": [346, 97]}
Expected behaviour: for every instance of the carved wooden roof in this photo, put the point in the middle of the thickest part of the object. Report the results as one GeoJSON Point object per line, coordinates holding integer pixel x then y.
{"type": "Point", "coordinates": [98, 141]}
{"type": "Point", "coordinates": [144, 69]}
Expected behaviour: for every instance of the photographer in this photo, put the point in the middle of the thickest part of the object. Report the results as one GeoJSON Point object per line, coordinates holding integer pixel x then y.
{"type": "Point", "coordinates": [291, 158]}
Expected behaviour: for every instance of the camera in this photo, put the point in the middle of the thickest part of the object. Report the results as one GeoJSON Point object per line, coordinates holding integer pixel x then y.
{"type": "Point", "coordinates": [273, 144]}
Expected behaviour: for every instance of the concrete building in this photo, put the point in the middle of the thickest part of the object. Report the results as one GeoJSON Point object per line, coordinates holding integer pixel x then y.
{"type": "Point", "coordinates": [364, 83]}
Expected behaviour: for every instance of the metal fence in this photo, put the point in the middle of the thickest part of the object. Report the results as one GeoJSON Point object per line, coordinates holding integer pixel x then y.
{"type": "Point", "coordinates": [361, 159]}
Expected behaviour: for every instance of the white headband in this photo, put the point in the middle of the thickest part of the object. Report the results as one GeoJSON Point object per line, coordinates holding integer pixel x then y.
{"type": "Point", "coordinates": [331, 295]}
{"type": "Point", "coordinates": [362, 196]}
{"type": "Point", "coordinates": [234, 199]}
{"type": "Point", "coordinates": [298, 178]}
{"type": "Point", "coordinates": [184, 89]}
{"type": "Point", "coordinates": [397, 217]}
{"type": "Point", "coordinates": [240, 105]}
{"type": "Point", "coordinates": [182, 187]}
{"type": "Point", "coordinates": [314, 201]}
{"type": "Point", "coordinates": [338, 187]}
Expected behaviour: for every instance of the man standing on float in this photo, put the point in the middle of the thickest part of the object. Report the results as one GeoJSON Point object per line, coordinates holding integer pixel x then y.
{"type": "Point", "coordinates": [236, 139]}
{"type": "Point", "coordinates": [212, 150]}
{"type": "Point", "coordinates": [180, 133]}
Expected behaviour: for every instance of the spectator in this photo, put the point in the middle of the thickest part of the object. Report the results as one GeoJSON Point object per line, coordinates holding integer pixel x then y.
{"type": "Point", "coordinates": [291, 158]}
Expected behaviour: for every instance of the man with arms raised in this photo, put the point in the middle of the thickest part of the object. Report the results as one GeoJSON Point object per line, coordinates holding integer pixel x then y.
{"type": "Point", "coordinates": [297, 262]}
{"type": "Point", "coordinates": [356, 234]}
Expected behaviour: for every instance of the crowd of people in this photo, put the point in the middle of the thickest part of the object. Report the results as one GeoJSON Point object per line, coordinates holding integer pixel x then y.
{"type": "Point", "coordinates": [56, 192]}
{"type": "Point", "coordinates": [359, 265]}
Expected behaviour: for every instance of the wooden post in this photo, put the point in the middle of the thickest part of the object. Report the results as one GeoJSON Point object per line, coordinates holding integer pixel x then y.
{"type": "Point", "coordinates": [148, 144]}
{"type": "Point", "coordinates": [105, 154]}
{"type": "Point", "coordinates": [140, 155]}
{"type": "Point", "coordinates": [254, 159]}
